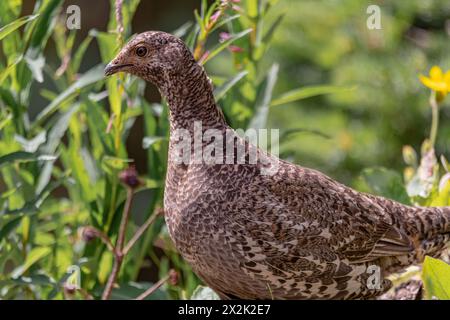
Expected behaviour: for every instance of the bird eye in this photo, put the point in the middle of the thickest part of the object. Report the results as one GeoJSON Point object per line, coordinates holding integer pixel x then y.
{"type": "Point", "coordinates": [141, 51]}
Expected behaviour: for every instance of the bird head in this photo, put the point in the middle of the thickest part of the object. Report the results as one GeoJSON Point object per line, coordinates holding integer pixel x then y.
{"type": "Point", "coordinates": [153, 56]}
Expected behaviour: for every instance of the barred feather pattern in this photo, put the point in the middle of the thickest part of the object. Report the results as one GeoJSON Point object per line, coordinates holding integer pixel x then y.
{"type": "Point", "coordinates": [295, 234]}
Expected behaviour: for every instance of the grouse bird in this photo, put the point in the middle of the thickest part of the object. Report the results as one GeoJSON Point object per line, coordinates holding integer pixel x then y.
{"type": "Point", "coordinates": [255, 233]}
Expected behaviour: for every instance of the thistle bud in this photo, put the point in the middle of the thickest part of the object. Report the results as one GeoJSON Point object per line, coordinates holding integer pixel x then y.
{"type": "Point", "coordinates": [89, 233]}
{"type": "Point", "coordinates": [69, 289]}
{"type": "Point", "coordinates": [129, 177]}
{"type": "Point", "coordinates": [173, 277]}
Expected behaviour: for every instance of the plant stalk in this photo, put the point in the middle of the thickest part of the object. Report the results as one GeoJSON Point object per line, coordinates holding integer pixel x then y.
{"type": "Point", "coordinates": [140, 232]}
{"type": "Point", "coordinates": [153, 288]}
{"type": "Point", "coordinates": [118, 249]}
{"type": "Point", "coordinates": [434, 119]}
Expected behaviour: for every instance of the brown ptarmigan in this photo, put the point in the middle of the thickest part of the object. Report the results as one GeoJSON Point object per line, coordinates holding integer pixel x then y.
{"type": "Point", "coordinates": [269, 229]}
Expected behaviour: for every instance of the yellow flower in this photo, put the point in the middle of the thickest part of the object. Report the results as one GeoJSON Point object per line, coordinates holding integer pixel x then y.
{"type": "Point", "coordinates": [437, 81]}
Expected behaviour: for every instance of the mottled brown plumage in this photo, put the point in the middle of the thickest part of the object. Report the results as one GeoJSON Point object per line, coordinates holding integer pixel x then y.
{"type": "Point", "coordinates": [294, 234]}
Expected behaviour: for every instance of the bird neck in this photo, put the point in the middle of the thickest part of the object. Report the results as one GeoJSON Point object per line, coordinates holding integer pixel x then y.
{"type": "Point", "coordinates": [191, 100]}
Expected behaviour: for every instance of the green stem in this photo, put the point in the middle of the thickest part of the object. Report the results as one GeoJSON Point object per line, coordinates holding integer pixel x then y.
{"type": "Point", "coordinates": [434, 119]}
{"type": "Point", "coordinates": [153, 288]}
{"type": "Point", "coordinates": [112, 208]}
{"type": "Point", "coordinates": [118, 248]}
{"type": "Point", "coordinates": [117, 140]}
{"type": "Point", "coordinates": [142, 252]}
{"type": "Point", "coordinates": [106, 230]}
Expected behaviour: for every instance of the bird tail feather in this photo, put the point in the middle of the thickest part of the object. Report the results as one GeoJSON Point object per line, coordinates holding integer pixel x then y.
{"type": "Point", "coordinates": [433, 225]}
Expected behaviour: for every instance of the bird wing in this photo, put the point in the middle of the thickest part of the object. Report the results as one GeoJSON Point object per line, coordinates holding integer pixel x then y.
{"type": "Point", "coordinates": [393, 242]}
{"type": "Point", "coordinates": [384, 237]}
{"type": "Point", "coordinates": [360, 227]}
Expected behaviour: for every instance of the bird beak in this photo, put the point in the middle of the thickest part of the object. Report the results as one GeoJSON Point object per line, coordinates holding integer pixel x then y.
{"type": "Point", "coordinates": [112, 68]}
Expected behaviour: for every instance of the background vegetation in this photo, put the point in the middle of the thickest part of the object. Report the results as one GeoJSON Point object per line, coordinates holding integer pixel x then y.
{"type": "Point", "coordinates": [347, 101]}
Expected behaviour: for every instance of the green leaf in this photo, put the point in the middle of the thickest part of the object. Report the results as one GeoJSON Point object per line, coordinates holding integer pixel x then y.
{"type": "Point", "coordinates": [44, 25]}
{"type": "Point", "coordinates": [23, 156]}
{"type": "Point", "coordinates": [147, 142]}
{"type": "Point", "coordinates": [90, 77]}
{"type": "Point", "coordinates": [199, 21]}
{"type": "Point", "coordinates": [73, 158]}
{"type": "Point", "coordinates": [31, 145]}
{"type": "Point", "coordinates": [28, 209]}
{"type": "Point", "coordinates": [221, 46]}
{"type": "Point", "coordinates": [252, 8]}
{"type": "Point", "coordinates": [436, 279]}
{"type": "Point", "coordinates": [18, 156]}
{"type": "Point", "coordinates": [77, 58]}
{"type": "Point", "coordinates": [223, 89]}
{"type": "Point", "coordinates": [269, 34]}
{"type": "Point", "coordinates": [58, 130]}
{"type": "Point", "coordinates": [286, 134]}
{"type": "Point", "coordinates": [192, 36]}
{"type": "Point", "coordinates": [98, 122]}
{"type": "Point", "coordinates": [208, 13]}
{"type": "Point", "coordinates": [6, 119]}
{"type": "Point", "coordinates": [107, 43]}
{"type": "Point", "coordinates": [259, 120]}
{"type": "Point", "coordinates": [203, 7]}
{"type": "Point", "coordinates": [35, 62]}
{"type": "Point", "coordinates": [33, 256]}
{"type": "Point", "coordinates": [307, 92]}
{"type": "Point", "coordinates": [182, 30]}
{"type": "Point", "coordinates": [151, 184]}
{"type": "Point", "coordinates": [105, 266]}
{"type": "Point", "coordinates": [386, 183]}
{"type": "Point", "coordinates": [10, 10]}
{"type": "Point", "coordinates": [9, 227]}
{"type": "Point", "coordinates": [442, 197]}
{"type": "Point", "coordinates": [4, 31]}
{"type": "Point", "coordinates": [224, 21]}
{"type": "Point", "coordinates": [5, 73]}
{"type": "Point", "coordinates": [115, 163]}
{"type": "Point", "coordinates": [44, 176]}
{"type": "Point", "coordinates": [35, 279]}
{"type": "Point", "coordinates": [204, 293]}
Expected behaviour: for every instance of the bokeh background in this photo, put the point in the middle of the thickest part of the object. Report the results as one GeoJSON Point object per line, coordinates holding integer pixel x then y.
{"type": "Point", "coordinates": [381, 108]}
{"type": "Point", "coordinates": [325, 42]}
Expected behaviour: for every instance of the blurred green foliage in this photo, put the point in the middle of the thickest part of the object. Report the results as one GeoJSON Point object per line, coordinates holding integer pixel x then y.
{"type": "Point", "coordinates": [60, 169]}
{"type": "Point", "coordinates": [436, 279]}
{"type": "Point", "coordinates": [345, 98]}
{"type": "Point", "coordinates": [329, 42]}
